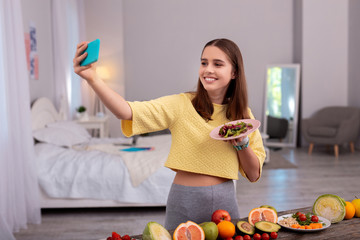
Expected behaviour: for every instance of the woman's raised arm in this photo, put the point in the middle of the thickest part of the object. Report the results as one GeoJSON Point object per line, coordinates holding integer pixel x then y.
{"type": "Point", "coordinates": [112, 100]}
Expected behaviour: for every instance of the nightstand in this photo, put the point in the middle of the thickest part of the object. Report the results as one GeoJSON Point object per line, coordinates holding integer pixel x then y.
{"type": "Point", "coordinates": [98, 123]}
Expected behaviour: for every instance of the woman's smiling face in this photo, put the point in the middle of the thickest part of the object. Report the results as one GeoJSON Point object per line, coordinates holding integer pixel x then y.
{"type": "Point", "coordinates": [215, 72]}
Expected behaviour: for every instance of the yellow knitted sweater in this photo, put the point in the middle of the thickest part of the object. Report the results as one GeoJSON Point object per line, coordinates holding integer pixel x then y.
{"type": "Point", "coordinates": [192, 149]}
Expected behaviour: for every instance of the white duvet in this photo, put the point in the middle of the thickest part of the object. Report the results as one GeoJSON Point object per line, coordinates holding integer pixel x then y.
{"type": "Point", "coordinates": [69, 173]}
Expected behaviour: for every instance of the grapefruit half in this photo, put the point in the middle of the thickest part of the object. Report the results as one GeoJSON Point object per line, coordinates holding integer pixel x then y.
{"type": "Point", "coordinates": [262, 214]}
{"type": "Point", "coordinates": [189, 231]}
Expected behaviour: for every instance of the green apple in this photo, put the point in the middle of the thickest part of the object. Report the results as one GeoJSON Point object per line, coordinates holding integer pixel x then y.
{"type": "Point", "coordinates": [210, 230]}
{"type": "Point", "coordinates": [356, 203]}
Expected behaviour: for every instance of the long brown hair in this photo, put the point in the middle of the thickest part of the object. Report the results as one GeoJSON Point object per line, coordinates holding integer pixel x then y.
{"type": "Point", "coordinates": [236, 96]}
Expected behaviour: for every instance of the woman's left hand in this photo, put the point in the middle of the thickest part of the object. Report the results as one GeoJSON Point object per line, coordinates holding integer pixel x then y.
{"type": "Point", "coordinates": [247, 159]}
{"type": "Point", "coordinates": [236, 141]}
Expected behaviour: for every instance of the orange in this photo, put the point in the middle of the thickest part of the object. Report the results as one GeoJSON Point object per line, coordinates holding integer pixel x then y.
{"type": "Point", "coordinates": [262, 214]}
{"type": "Point", "coordinates": [189, 231]}
{"type": "Point", "coordinates": [226, 229]}
{"type": "Point", "coordinates": [356, 203]}
{"type": "Point", "coordinates": [350, 210]}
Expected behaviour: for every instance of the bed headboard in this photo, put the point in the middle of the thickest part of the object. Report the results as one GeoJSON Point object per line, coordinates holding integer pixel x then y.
{"type": "Point", "coordinates": [43, 112]}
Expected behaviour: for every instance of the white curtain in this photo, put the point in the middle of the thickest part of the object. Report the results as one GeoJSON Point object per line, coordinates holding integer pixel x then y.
{"type": "Point", "coordinates": [19, 195]}
{"type": "Point", "coordinates": [68, 28]}
{"type": "Point", "coordinates": [62, 70]}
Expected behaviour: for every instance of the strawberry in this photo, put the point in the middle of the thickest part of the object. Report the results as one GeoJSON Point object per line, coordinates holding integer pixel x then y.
{"type": "Point", "coordinates": [126, 237]}
{"type": "Point", "coordinates": [115, 235]}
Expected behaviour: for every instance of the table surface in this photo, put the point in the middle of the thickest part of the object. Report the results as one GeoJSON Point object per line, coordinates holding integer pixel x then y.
{"type": "Point", "coordinates": [346, 229]}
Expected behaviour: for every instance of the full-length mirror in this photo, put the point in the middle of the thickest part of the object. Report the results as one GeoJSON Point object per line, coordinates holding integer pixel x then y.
{"type": "Point", "coordinates": [281, 105]}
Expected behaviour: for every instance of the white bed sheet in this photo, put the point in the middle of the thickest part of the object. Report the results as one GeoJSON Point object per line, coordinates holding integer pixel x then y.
{"type": "Point", "coordinates": [140, 164]}
{"type": "Point", "coordinates": [69, 173]}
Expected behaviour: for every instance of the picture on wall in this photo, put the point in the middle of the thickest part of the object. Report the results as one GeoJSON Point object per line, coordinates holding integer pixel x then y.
{"type": "Point", "coordinates": [32, 56]}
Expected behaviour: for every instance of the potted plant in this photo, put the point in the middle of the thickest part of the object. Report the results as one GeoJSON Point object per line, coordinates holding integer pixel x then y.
{"type": "Point", "coordinates": [81, 113]}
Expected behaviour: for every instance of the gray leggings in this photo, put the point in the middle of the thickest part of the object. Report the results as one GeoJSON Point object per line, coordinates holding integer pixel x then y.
{"type": "Point", "coordinates": [198, 203]}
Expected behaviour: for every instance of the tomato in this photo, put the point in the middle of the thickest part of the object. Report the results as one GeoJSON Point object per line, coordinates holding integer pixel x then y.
{"type": "Point", "coordinates": [257, 236]}
{"type": "Point", "coordinates": [274, 235]}
{"type": "Point", "coordinates": [302, 217]}
{"type": "Point", "coordinates": [265, 236]}
{"type": "Point", "coordinates": [314, 218]}
{"type": "Point", "coordinates": [298, 213]}
{"type": "Point", "coordinates": [247, 237]}
{"type": "Point", "coordinates": [239, 237]}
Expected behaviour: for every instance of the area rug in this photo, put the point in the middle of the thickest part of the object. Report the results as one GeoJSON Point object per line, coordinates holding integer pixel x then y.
{"type": "Point", "coordinates": [277, 161]}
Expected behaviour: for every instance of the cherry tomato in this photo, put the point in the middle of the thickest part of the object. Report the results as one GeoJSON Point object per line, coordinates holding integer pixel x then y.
{"type": "Point", "coordinates": [265, 236]}
{"type": "Point", "coordinates": [314, 218]}
{"type": "Point", "coordinates": [239, 237]}
{"type": "Point", "coordinates": [298, 213]}
{"type": "Point", "coordinates": [257, 236]}
{"type": "Point", "coordinates": [302, 217]}
{"type": "Point", "coordinates": [247, 237]}
{"type": "Point", "coordinates": [274, 235]}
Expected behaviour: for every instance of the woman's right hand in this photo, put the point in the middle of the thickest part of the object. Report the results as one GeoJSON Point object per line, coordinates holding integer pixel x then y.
{"type": "Point", "coordinates": [87, 72]}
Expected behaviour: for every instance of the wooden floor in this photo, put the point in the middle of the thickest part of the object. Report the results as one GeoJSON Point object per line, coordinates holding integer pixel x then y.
{"type": "Point", "coordinates": [284, 189]}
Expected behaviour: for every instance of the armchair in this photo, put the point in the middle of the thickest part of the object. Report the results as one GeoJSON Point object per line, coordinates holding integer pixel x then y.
{"type": "Point", "coordinates": [332, 126]}
{"type": "Point", "coordinates": [277, 127]}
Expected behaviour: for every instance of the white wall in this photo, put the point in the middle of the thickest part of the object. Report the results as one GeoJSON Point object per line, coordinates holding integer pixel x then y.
{"type": "Point", "coordinates": [104, 20]}
{"type": "Point", "coordinates": [325, 55]}
{"type": "Point", "coordinates": [354, 53]}
{"type": "Point", "coordinates": [164, 40]}
{"type": "Point", "coordinates": [38, 12]}
{"type": "Point", "coordinates": [354, 56]}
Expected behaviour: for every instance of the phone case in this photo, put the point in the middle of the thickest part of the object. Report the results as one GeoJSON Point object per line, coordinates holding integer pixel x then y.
{"type": "Point", "coordinates": [93, 52]}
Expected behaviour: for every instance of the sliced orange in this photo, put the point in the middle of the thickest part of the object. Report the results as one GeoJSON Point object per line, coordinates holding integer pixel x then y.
{"type": "Point", "coordinates": [262, 214]}
{"type": "Point", "coordinates": [189, 231]}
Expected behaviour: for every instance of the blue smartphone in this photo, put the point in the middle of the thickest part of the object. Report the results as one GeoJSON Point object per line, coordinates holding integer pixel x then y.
{"type": "Point", "coordinates": [92, 49]}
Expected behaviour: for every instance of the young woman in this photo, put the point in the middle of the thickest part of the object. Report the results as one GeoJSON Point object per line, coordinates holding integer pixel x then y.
{"type": "Point", "coordinates": [204, 167]}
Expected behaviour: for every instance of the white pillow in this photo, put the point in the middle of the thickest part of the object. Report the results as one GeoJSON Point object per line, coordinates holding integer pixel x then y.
{"type": "Point", "coordinates": [70, 126]}
{"type": "Point", "coordinates": [65, 134]}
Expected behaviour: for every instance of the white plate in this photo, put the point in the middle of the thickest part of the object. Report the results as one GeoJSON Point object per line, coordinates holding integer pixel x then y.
{"type": "Point", "coordinates": [215, 132]}
{"type": "Point", "coordinates": [321, 220]}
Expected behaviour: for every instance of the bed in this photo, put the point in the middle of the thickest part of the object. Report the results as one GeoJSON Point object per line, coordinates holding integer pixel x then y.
{"type": "Point", "coordinates": [76, 170]}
